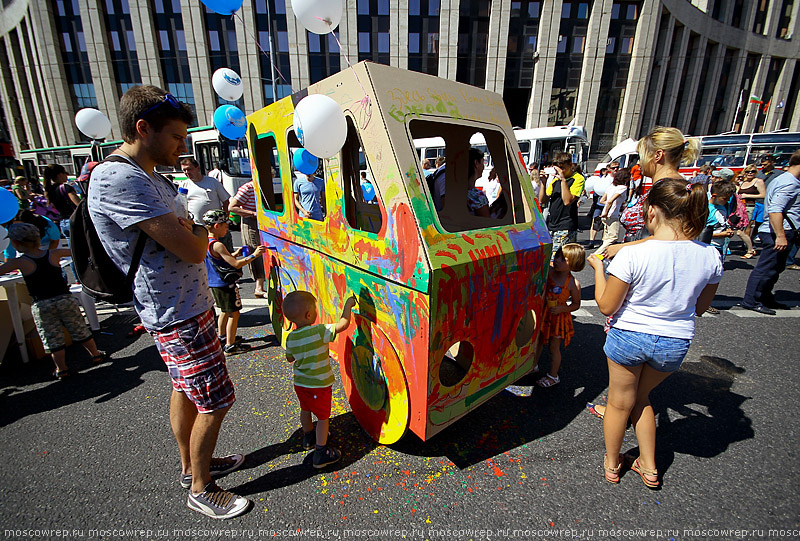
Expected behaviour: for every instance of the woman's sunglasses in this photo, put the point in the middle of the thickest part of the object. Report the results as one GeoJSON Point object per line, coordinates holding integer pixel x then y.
{"type": "Point", "coordinates": [168, 98]}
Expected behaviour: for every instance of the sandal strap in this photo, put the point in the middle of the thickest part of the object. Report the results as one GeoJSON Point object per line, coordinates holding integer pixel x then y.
{"type": "Point", "coordinates": [644, 471]}
{"type": "Point", "coordinates": [616, 469]}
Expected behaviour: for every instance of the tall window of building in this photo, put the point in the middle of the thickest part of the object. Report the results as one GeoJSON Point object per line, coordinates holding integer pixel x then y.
{"type": "Point", "coordinates": [739, 15]}
{"type": "Point", "coordinates": [223, 51]}
{"type": "Point", "coordinates": [746, 86]}
{"type": "Point", "coordinates": [423, 36]}
{"type": "Point", "coordinates": [716, 122]}
{"type": "Point", "coordinates": [373, 30]}
{"type": "Point", "coordinates": [768, 96]}
{"type": "Point", "coordinates": [788, 103]}
{"type": "Point", "coordinates": [761, 16]}
{"type": "Point", "coordinates": [473, 41]}
{"type": "Point", "coordinates": [569, 57]}
{"type": "Point", "coordinates": [323, 55]}
{"type": "Point", "coordinates": [278, 37]}
{"type": "Point", "coordinates": [122, 45]}
{"type": "Point", "coordinates": [172, 51]}
{"type": "Point", "coordinates": [523, 30]}
{"type": "Point", "coordinates": [614, 80]}
{"type": "Point", "coordinates": [73, 53]}
{"type": "Point", "coordinates": [785, 19]}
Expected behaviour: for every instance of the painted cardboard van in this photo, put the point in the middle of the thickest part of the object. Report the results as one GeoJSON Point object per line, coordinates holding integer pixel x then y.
{"type": "Point", "coordinates": [449, 304]}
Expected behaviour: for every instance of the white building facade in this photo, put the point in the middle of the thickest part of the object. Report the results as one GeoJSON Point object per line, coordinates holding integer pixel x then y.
{"type": "Point", "coordinates": [618, 67]}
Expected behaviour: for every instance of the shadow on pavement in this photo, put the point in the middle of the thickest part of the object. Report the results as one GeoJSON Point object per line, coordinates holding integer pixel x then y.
{"type": "Point", "coordinates": [508, 421]}
{"type": "Point", "coordinates": [342, 427]}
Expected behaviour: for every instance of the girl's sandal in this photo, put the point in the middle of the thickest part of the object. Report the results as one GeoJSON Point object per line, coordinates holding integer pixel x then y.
{"type": "Point", "coordinates": [646, 472]}
{"type": "Point", "coordinates": [594, 411]}
{"type": "Point", "coordinates": [101, 358]}
{"type": "Point", "coordinates": [749, 254]}
{"type": "Point", "coordinates": [612, 475]}
{"type": "Point", "coordinates": [62, 374]}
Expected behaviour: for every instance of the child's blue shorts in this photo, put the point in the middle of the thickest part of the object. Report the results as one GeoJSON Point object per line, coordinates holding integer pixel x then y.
{"type": "Point", "coordinates": [631, 348]}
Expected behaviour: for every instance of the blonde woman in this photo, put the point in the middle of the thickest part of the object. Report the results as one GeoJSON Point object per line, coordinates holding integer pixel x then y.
{"type": "Point", "coordinates": [752, 191]}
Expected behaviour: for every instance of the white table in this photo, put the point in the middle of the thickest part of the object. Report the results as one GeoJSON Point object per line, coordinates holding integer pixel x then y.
{"type": "Point", "coordinates": [9, 283]}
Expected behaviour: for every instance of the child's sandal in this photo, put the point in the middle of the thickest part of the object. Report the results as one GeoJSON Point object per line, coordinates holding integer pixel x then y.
{"type": "Point", "coordinates": [612, 475]}
{"type": "Point", "coordinates": [548, 381]}
{"type": "Point", "coordinates": [62, 374]}
{"type": "Point", "coordinates": [646, 472]}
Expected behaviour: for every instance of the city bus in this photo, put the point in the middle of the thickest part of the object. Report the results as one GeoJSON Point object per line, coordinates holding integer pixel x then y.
{"type": "Point", "coordinates": [733, 151]}
{"type": "Point", "coordinates": [204, 143]}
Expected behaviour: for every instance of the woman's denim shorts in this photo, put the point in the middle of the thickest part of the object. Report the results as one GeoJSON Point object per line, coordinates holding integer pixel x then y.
{"type": "Point", "coordinates": [631, 348]}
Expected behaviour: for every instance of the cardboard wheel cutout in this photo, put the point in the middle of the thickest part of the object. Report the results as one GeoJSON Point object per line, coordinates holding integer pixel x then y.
{"type": "Point", "coordinates": [375, 384]}
{"type": "Point", "coordinates": [277, 289]}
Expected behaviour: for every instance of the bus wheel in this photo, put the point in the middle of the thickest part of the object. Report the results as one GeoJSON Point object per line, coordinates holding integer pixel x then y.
{"type": "Point", "coordinates": [375, 384]}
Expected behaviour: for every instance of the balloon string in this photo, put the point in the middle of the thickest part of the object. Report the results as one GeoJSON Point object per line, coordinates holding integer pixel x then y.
{"type": "Point", "coordinates": [274, 98]}
{"type": "Point", "coordinates": [364, 102]}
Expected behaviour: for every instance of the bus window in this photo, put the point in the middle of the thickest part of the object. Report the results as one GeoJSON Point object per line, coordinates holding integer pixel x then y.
{"type": "Point", "coordinates": [722, 156]}
{"type": "Point", "coordinates": [78, 162]}
{"type": "Point", "coordinates": [208, 156]}
{"type": "Point", "coordinates": [30, 169]}
{"type": "Point", "coordinates": [362, 202]}
{"type": "Point", "coordinates": [456, 210]}
{"type": "Point", "coordinates": [237, 157]}
{"type": "Point", "coordinates": [782, 154]}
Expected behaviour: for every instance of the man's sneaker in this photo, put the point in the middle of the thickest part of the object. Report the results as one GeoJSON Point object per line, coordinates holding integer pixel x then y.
{"type": "Point", "coordinates": [309, 440]}
{"type": "Point", "coordinates": [235, 349]}
{"type": "Point", "coordinates": [217, 503]}
{"type": "Point", "coordinates": [326, 456]}
{"type": "Point", "coordinates": [218, 468]}
{"type": "Point", "coordinates": [223, 339]}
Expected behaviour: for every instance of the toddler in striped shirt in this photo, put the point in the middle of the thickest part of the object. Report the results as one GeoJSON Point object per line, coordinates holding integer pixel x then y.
{"type": "Point", "coordinates": [307, 348]}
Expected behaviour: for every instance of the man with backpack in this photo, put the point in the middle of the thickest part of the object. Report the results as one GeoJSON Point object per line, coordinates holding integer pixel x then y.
{"type": "Point", "coordinates": [128, 201]}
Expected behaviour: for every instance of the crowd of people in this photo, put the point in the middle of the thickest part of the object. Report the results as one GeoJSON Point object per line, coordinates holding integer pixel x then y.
{"type": "Point", "coordinates": [664, 249]}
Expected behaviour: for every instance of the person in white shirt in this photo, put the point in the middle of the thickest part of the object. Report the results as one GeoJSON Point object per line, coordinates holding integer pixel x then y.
{"type": "Point", "coordinates": [599, 187]}
{"type": "Point", "coordinates": [205, 193]}
{"type": "Point", "coordinates": [654, 290]}
{"type": "Point", "coordinates": [612, 201]}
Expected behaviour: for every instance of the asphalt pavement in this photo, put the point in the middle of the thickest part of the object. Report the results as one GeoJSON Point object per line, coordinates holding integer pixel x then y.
{"type": "Point", "coordinates": [94, 456]}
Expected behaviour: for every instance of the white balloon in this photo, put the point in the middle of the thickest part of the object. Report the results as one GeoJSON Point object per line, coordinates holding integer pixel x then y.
{"type": "Point", "coordinates": [93, 123]}
{"type": "Point", "coordinates": [318, 16]}
{"type": "Point", "coordinates": [227, 84]}
{"type": "Point", "coordinates": [320, 125]}
{"type": "Point", "coordinates": [3, 238]}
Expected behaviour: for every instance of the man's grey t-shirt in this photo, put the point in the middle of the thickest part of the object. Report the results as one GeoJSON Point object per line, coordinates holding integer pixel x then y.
{"type": "Point", "coordinates": [167, 290]}
{"type": "Point", "coordinates": [311, 190]}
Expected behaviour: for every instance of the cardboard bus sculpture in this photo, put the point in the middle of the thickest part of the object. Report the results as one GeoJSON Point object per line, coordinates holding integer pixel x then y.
{"type": "Point", "coordinates": [448, 304]}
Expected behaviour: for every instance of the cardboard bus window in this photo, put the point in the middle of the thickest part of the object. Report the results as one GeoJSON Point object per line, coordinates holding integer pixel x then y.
{"type": "Point", "coordinates": [362, 201]}
{"type": "Point", "coordinates": [264, 155]}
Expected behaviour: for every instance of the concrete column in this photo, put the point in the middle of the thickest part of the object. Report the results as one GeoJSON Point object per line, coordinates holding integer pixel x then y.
{"type": "Point", "coordinates": [147, 43]}
{"type": "Point", "coordinates": [773, 16]}
{"type": "Point", "coordinates": [658, 76]}
{"type": "Point", "coordinates": [702, 5]}
{"type": "Point", "coordinates": [757, 88]}
{"type": "Point", "coordinates": [348, 33]}
{"type": "Point", "coordinates": [250, 58]}
{"type": "Point", "coordinates": [693, 78]}
{"type": "Point", "coordinates": [709, 96]}
{"type": "Point", "coordinates": [497, 46]}
{"type": "Point", "coordinates": [38, 101]}
{"type": "Point", "coordinates": [673, 82]}
{"type": "Point", "coordinates": [196, 36]}
{"type": "Point", "coordinates": [639, 72]}
{"type": "Point", "coordinates": [298, 50]}
{"type": "Point", "coordinates": [448, 38]}
{"type": "Point", "coordinates": [47, 53]}
{"type": "Point", "coordinates": [103, 76]}
{"type": "Point", "coordinates": [22, 90]}
{"type": "Point", "coordinates": [398, 29]}
{"type": "Point", "coordinates": [774, 115]}
{"type": "Point", "coordinates": [594, 54]}
{"type": "Point", "coordinates": [547, 46]}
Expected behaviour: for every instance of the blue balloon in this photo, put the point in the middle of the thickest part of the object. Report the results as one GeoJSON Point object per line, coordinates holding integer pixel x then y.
{"type": "Point", "coordinates": [230, 121]}
{"type": "Point", "coordinates": [223, 7]}
{"type": "Point", "coordinates": [368, 191]}
{"type": "Point", "coordinates": [9, 206]}
{"type": "Point", "coordinates": [305, 162]}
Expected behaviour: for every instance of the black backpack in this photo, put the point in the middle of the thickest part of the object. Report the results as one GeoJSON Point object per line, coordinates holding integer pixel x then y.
{"type": "Point", "coordinates": [97, 272]}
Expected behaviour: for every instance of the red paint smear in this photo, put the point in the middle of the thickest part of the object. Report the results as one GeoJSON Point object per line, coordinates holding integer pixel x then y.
{"type": "Point", "coordinates": [408, 240]}
{"type": "Point", "coordinates": [455, 247]}
{"type": "Point", "coordinates": [442, 253]}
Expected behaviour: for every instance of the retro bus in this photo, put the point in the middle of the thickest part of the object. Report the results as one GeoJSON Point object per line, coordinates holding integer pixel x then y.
{"type": "Point", "coordinates": [449, 304]}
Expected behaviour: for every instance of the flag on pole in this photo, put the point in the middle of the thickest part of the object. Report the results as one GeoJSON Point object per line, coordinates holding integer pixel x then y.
{"type": "Point", "coordinates": [755, 99]}
{"type": "Point", "coordinates": [780, 105]}
{"type": "Point", "coordinates": [766, 106]}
